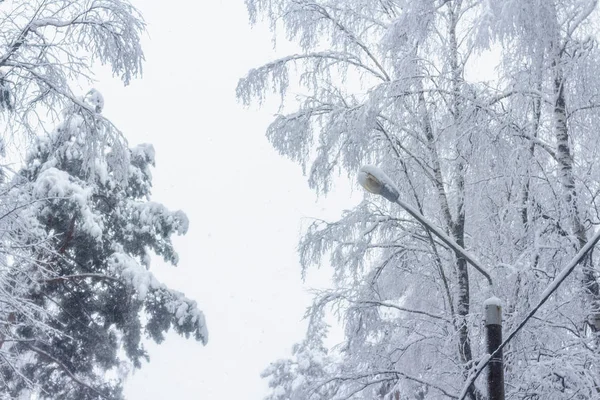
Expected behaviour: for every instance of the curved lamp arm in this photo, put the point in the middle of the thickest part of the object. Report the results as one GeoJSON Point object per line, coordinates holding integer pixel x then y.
{"type": "Point", "coordinates": [374, 180]}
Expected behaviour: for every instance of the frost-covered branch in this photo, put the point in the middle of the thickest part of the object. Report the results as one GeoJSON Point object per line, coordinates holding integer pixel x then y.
{"type": "Point", "coordinates": [65, 369]}
{"type": "Point", "coordinates": [399, 308]}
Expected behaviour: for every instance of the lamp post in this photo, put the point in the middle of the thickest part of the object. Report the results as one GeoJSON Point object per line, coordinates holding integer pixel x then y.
{"type": "Point", "coordinates": [376, 181]}
{"type": "Point", "coordinates": [493, 328]}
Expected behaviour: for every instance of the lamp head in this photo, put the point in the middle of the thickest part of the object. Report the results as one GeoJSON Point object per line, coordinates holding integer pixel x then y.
{"type": "Point", "coordinates": [374, 180]}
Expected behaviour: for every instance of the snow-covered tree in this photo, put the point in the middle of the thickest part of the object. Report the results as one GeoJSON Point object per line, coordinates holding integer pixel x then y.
{"type": "Point", "coordinates": [77, 227]}
{"type": "Point", "coordinates": [505, 164]}
{"type": "Point", "coordinates": [46, 44]}
{"type": "Point", "coordinates": [93, 280]}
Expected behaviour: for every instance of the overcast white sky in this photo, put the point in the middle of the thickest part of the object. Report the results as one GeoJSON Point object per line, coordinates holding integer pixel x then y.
{"type": "Point", "coordinates": [245, 203]}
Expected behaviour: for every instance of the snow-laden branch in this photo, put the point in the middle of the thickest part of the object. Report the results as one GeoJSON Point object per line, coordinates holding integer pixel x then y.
{"type": "Point", "coordinates": [392, 373]}
{"type": "Point", "coordinates": [184, 311]}
{"type": "Point", "coordinates": [253, 85]}
{"type": "Point", "coordinates": [351, 36]}
{"type": "Point", "coordinates": [400, 308]}
{"type": "Point", "coordinates": [580, 18]}
{"type": "Point", "coordinates": [66, 370]}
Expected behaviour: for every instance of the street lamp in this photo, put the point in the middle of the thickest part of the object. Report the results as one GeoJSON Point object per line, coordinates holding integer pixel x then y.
{"type": "Point", "coordinates": [376, 181]}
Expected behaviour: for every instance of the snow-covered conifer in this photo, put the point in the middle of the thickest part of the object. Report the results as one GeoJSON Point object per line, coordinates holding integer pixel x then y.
{"type": "Point", "coordinates": [93, 280]}
{"type": "Point", "coordinates": [77, 224]}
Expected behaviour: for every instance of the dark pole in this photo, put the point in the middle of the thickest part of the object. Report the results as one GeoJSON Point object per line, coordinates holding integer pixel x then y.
{"type": "Point", "coordinates": [493, 328]}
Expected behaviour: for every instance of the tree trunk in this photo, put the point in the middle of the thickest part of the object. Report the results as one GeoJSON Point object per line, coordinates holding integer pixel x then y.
{"type": "Point", "coordinates": [565, 163]}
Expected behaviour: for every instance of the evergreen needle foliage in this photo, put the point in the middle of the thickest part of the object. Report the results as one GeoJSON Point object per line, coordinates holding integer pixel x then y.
{"type": "Point", "coordinates": [78, 228]}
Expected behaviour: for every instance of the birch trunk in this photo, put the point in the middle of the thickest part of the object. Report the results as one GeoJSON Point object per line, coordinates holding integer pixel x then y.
{"type": "Point", "coordinates": [564, 158]}
{"type": "Point", "coordinates": [455, 225]}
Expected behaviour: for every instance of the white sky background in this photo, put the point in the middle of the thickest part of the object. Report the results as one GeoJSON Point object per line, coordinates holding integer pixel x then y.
{"type": "Point", "coordinates": [245, 203]}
